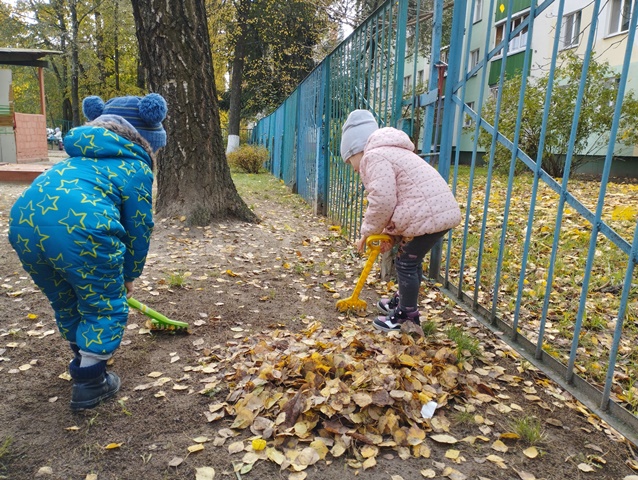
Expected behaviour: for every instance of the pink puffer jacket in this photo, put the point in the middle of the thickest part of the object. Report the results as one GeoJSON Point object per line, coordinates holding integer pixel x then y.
{"type": "Point", "coordinates": [406, 196]}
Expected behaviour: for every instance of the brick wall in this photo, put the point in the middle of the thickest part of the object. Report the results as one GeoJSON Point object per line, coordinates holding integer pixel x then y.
{"type": "Point", "coordinates": [31, 138]}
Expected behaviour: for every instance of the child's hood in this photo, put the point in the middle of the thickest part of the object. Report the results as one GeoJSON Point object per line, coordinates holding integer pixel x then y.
{"type": "Point", "coordinates": [389, 137]}
{"type": "Point", "coordinates": [106, 139]}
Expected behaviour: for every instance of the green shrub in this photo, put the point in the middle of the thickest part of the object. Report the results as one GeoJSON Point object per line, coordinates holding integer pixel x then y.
{"type": "Point", "coordinates": [248, 158]}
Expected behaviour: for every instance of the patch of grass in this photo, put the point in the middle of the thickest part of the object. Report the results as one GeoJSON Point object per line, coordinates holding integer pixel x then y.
{"type": "Point", "coordinates": [125, 410]}
{"type": "Point", "coordinates": [176, 280]}
{"type": "Point", "coordinates": [465, 344]}
{"type": "Point", "coordinates": [429, 328]}
{"type": "Point", "coordinates": [529, 428]}
{"type": "Point", "coordinates": [5, 448]}
{"type": "Point", "coordinates": [463, 417]}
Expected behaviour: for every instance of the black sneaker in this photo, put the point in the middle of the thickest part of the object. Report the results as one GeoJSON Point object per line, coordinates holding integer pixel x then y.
{"type": "Point", "coordinates": [392, 322]}
{"type": "Point", "coordinates": [388, 305]}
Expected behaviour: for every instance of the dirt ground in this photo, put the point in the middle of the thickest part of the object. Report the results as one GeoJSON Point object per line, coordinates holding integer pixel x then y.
{"type": "Point", "coordinates": [243, 285]}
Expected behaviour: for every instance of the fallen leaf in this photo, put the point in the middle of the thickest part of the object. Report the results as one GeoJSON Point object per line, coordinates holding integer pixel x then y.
{"type": "Point", "coordinates": [584, 467]}
{"type": "Point", "coordinates": [175, 462]}
{"type": "Point", "coordinates": [111, 446]}
{"type": "Point", "coordinates": [204, 473]}
{"type": "Point", "coordinates": [449, 439]}
{"type": "Point", "coordinates": [530, 452]}
{"type": "Point", "coordinates": [196, 448]}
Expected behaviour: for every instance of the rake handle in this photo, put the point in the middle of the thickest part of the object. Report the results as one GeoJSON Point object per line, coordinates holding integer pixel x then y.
{"type": "Point", "coordinates": [373, 242]}
{"type": "Point", "coordinates": [148, 311]}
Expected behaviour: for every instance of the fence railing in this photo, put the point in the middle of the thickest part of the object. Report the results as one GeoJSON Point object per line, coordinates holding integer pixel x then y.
{"type": "Point", "coordinates": [548, 262]}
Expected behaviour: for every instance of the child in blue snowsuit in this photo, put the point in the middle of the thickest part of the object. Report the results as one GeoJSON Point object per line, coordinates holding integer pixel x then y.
{"type": "Point", "coordinates": [82, 231]}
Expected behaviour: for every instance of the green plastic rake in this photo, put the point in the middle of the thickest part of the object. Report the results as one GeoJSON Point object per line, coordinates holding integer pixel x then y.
{"type": "Point", "coordinates": [158, 321]}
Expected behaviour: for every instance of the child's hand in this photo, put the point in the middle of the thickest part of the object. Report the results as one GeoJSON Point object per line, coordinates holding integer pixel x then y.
{"type": "Point", "coordinates": [360, 244]}
{"type": "Point", "coordinates": [387, 246]}
{"type": "Point", "coordinates": [129, 289]}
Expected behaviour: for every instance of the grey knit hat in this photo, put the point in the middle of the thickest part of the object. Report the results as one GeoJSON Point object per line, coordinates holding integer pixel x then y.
{"type": "Point", "coordinates": [356, 131]}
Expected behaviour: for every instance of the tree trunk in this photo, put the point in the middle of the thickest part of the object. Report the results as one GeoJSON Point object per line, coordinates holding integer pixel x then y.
{"type": "Point", "coordinates": [193, 177]}
{"type": "Point", "coordinates": [234, 109]}
{"type": "Point", "coordinates": [116, 48]}
{"type": "Point", "coordinates": [75, 64]}
{"type": "Point", "coordinates": [99, 44]}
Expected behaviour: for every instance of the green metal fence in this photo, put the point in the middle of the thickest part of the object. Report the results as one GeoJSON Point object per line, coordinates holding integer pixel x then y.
{"type": "Point", "coordinates": [560, 282]}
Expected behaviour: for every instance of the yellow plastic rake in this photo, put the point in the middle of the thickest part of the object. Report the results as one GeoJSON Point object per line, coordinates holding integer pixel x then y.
{"type": "Point", "coordinates": [353, 302]}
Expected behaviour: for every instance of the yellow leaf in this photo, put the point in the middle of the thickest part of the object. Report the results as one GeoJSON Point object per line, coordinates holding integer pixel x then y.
{"type": "Point", "coordinates": [624, 213]}
{"type": "Point", "coordinates": [530, 452]}
{"type": "Point", "coordinates": [510, 436]}
{"type": "Point", "coordinates": [230, 273]}
{"type": "Point", "coordinates": [452, 454]}
{"type": "Point", "coordinates": [369, 463]}
{"type": "Point", "coordinates": [111, 446]}
{"type": "Point", "coordinates": [499, 446]}
{"type": "Point", "coordinates": [449, 439]}
{"type": "Point", "coordinates": [275, 456]}
{"type": "Point", "coordinates": [258, 444]}
{"type": "Point", "coordinates": [32, 316]}
{"type": "Point", "coordinates": [369, 451]}
{"type": "Point", "coordinates": [196, 448]}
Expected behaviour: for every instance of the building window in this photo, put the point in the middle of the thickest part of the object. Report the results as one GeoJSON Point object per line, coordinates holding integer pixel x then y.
{"type": "Point", "coordinates": [517, 43]}
{"type": "Point", "coordinates": [571, 30]}
{"type": "Point", "coordinates": [419, 77]}
{"type": "Point", "coordinates": [478, 10]}
{"type": "Point", "coordinates": [444, 55]}
{"type": "Point", "coordinates": [407, 82]}
{"type": "Point", "coordinates": [467, 120]}
{"type": "Point", "coordinates": [474, 58]}
{"type": "Point", "coordinates": [619, 16]}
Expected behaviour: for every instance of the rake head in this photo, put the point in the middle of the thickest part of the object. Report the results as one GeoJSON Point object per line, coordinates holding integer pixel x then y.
{"type": "Point", "coordinates": [351, 304]}
{"type": "Point", "coordinates": [157, 320]}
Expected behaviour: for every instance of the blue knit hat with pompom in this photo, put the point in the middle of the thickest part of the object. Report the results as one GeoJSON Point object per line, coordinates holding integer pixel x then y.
{"type": "Point", "coordinates": [144, 113]}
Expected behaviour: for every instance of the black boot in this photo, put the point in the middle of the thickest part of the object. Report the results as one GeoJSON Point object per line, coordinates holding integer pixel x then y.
{"type": "Point", "coordinates": [91, 385]}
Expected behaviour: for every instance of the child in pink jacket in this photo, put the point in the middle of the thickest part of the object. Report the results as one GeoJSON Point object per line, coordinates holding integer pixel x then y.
{"type": "Point", "coordinates": [407, 199]}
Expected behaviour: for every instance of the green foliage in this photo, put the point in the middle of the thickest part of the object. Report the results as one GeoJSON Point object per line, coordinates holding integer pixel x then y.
{"type": "Point", "coordinates": [248, 158]}
{"type": "Point", "coordinates": [176, 280]}
{"type": "Point", "coordinates": [465, 344]}
{"type": "Point", "coordinates": [107, 52]}
{"type": "Point", "coordinates": [597, 110]}
{"type": "Point", "coordinates": [529, 429]}
{"type": "Point", "coordinates": [278, 40]}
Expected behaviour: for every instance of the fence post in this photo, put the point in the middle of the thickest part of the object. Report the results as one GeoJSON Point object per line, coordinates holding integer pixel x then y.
{"type": "Point", "coordinates": [449, 109]}
{"type": "Point", "coordinates": [402, 21]}
{"type": "Point", "coordinates": [323, 151]}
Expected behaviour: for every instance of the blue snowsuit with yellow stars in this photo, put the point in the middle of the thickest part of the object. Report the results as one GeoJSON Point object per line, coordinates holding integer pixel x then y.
{"type": "Point", "coordinates": [82, 229]}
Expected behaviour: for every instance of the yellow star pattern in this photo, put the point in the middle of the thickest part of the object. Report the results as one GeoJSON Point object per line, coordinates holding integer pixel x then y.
{"type": "Point", "coordinates": [42, 236]}
{"type": "Point", "coordinates": [90, 145]}
{"type": "Point", "coordinates": [67, 189]}
{"type": "Point", "coordinates": [86, 199]}
{"type": "Point", "coordinates": [26, 214]}
{"type": "Point", "coordinates": [77, 222]}
{"type": "Point", "coordinates": [23, 244]}
{"type": "Point", "coordinates": [98, 337]}
{"type": "Point", "coordinates": [104, 188]}
{"type": "Point", "coordinates": [103, 219]}
{"type": "Point", "coordinates": [50, 202]}
{"type": "Point", "coordinates": [86, 270]}
{"type": "Point", "coordinates": [140, 218]}
{"type": "Point", "coordinates": [129, 170]}
{"type": "Point", "coordinates": [59, 263]}
{"type": "Point", "coordinates": [88, 249]}
{"type": "Point", "coordinates": [64, 167]}
{"type": "Point", "coordinates": [86, 288]}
